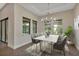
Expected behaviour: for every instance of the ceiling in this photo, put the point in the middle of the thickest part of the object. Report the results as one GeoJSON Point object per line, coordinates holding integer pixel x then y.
{"type": "Point", "coordinates": [2, 5]}
{"type": "Point", "coordinates": [41, 9]}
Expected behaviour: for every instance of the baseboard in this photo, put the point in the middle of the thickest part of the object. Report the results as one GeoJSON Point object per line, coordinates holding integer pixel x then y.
{"type": "Point", "coordinates": [10, 46]}
{"type": "Point", "coordinates": [21, 45]}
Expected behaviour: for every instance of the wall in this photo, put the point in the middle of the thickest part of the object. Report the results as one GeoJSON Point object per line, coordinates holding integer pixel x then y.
{"type": "Point", "coordinates": [76, 30]}
{"type": "Point", "coordinates": [15, 13]}
{"type": "Point", "coordinates": [66, 16]}
{"type": "Point", "coordinates": [21, 39]}
{"type": "Point", "coordinates": [8, 11]}
{"type": "Point", "coordinates": [40, 26]}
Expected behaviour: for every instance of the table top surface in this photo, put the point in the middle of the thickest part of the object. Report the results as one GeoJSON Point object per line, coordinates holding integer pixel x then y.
{"type": "Point", "coordinates": [50, 38]}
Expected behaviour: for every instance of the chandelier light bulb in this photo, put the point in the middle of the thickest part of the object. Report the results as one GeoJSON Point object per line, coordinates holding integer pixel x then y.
{"type": "Point", "coordinates": [41, 19]}
{"type": "Point", "coordinates": [51, 18]}
{"type": "Point", "coordinates": [46, 18]}
{"type": "Point", "coordinates": [54, 19]}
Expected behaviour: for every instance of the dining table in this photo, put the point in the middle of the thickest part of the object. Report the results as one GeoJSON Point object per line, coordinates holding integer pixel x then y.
{"type": "Point", "coordinates": [50, 38]}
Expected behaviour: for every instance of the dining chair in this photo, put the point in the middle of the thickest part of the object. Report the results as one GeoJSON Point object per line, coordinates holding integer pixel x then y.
{"type": "Point", "coordinates": [35, 41]}
{"type": "Point", "coordinates": [60, 45]}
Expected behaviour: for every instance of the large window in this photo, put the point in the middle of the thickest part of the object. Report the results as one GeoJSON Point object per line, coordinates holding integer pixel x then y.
{"type": "Point", "coordinates": [47, 26]}
{"type": "Point", "coordinates": [26, 25]}
{"type": "Point", "coordinates": [57, 26]}
{"type": "Point", "coordinates": [34, 26]}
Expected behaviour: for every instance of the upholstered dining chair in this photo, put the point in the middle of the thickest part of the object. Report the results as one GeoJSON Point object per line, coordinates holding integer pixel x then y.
{"type": "Point", "coordinates": [60, 45]}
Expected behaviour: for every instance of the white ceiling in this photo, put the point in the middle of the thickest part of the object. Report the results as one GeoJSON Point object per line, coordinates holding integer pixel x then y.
{"type": "Point", "coordinates": [2, 5]}
{"type": "Point", "coordinates": [41, 9]}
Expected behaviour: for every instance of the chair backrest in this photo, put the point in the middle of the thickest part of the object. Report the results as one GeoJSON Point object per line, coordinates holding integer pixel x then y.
{"type": "Point", "coordinates": [59, 39]}
{"type": "Point", "coordinates": [32, 37]}
{"type": "Point", "coordinates": [32, 40]}
{"type": "Point", "coordinates": [64, 41]}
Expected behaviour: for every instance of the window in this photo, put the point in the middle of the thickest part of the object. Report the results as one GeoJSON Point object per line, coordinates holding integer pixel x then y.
{"type": "Point", "coordinates": [26, 25]}
{"type": "Point", "coordinates": [47, 24]}
{"type": "Point", "coordinates": [57, 26]}
{"type": "Point", "coordinates": [34, 26]}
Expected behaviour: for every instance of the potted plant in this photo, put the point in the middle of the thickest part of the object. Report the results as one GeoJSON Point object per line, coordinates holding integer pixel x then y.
{"type": "Point", "coordinates": [68, 33]}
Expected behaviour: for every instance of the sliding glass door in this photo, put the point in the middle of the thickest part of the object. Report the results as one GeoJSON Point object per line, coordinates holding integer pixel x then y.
{"type": "Point", "coordinates": [4, 30]}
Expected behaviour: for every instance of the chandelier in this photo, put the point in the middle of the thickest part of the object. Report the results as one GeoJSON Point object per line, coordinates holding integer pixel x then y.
{"type": "Point", "coordinates": [48, 18]}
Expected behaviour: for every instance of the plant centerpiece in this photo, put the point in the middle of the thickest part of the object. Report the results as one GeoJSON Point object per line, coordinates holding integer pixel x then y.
{"type": "Point", "coordinates": [48, 31]}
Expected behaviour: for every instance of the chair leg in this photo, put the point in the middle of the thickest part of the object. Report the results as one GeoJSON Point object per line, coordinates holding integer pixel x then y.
{"type": "Point", "coordinates": [40, 46]}
{"type": "Point", "coordinates": [32, 47]}
{"type": "Point", "coordinates": [64, 52]}
{"type": "Point", "coordinates": [36, 48]}
{"type": "Point", "coordinates": [51, 48]}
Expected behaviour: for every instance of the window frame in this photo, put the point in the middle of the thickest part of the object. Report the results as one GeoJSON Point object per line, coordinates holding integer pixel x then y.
{"type": "Point", "coordinates": [33, 21]}
{"type": "Point", "coordinates": [56, 22]}
{"type": "Point", "coordinates": [28, 21]}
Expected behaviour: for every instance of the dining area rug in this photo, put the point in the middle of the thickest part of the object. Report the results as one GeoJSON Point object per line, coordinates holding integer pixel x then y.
{"type": "Point", "coordinates": [45, 50]}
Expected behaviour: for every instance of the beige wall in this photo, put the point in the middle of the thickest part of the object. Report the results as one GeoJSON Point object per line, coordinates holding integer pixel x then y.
{"type": "Point", "coordinates": [15, 13]}
{"type": "Point", "coordinates": [21, 39]}
{"type": "Point", "coordinates": [8, 11]}
{"type": "Point", "coordinates": [76, 31]}
{"type": "Point", "coordinates": [67, 18]}
{"type": "Point", "coordinates": [76, 10]}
